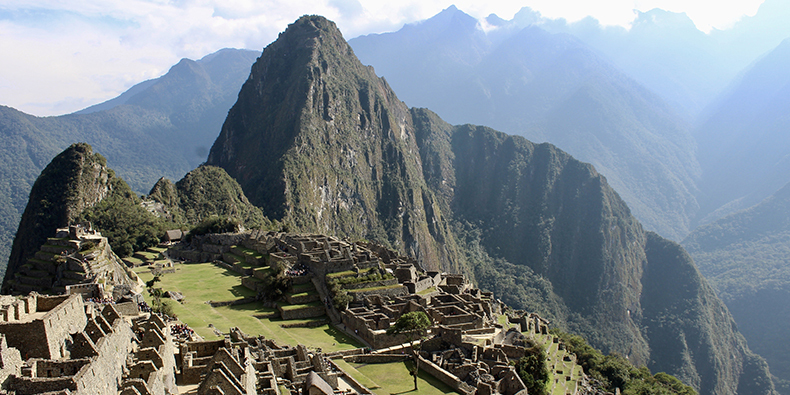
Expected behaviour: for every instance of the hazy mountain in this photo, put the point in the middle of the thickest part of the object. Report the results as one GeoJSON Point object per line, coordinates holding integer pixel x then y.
{"type": "Point", "coordinates": [161, 127]}
{"type": "Point", "coordinates": [667, 53]}
{"type": "Point", "coordinates": [746, 257]}
{"type": "Point", "coordinates": [322, 144]}
{"type": "Point", "coordinates": [743, 143]}
{"type": "Point", "coordinates": [547, 87]}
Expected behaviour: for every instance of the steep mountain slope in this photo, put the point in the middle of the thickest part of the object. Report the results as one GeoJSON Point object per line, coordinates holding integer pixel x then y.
{"type": "Point", "coordinates": [75, 180]}
{"type": "Point", "coordinates": [204, 192]}
{"type": "Point", "coordinates": [161, 127]}
{"type": "Point", "coordinates": [548, 87]}
{"type": "Point", "coordinates": [746, 257]}
{"type": "Point", "coordinates": [744, 144]}
{"type": "Point", "coordinates": [318, 141]}
{"type": "Point", "coordinates": [321, 143]}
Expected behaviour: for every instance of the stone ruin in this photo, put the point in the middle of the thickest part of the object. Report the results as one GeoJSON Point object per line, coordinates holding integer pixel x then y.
{"type": "Point", "coordinates": [74, 257]}
{"type": "Point", "coordinates": [466, 348]}
{"type": "Point", "coordinates": [63, 345]}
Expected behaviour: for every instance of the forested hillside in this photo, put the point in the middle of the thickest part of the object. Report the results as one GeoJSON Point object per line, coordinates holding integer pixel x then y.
{"type": "Point", "coordinates": [323, 145]}
{"type": "Point", "coordinates": [745, 257]}
{"type": "Point", "coordinates": [161, 127]}
{"type": "Point", "coordinates": [547, 87]}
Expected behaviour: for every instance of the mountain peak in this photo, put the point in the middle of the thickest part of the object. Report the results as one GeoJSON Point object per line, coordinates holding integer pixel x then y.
{"type": "Point", "coordinates": [314, 130]}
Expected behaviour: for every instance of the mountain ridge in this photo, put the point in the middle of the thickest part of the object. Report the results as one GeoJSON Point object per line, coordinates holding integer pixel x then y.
{"type": "Point", "coordinates": [142, 140]}
{"type": "Point", "coordinates": [316, 134]}
{"type": "Point", "coordinates": [549, 87]}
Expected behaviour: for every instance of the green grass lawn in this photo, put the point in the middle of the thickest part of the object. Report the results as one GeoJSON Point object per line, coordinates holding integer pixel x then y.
{"type": "Point", "coordinates": [201, 282]}
{"type": "Point", "coordinates": [347, 273]}
{"type": "Point", "coordinates": [394, 378]}
{"type": "Point", "coordinates": [286, 306]}
{"type": "Point", "coordinates": [374, 288]}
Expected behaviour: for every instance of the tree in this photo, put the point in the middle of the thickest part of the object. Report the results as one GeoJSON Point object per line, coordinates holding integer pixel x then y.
{"type": "Point", "coordinates": [412, 324]}
{"type": "Point", "coordinates": [533, 370]}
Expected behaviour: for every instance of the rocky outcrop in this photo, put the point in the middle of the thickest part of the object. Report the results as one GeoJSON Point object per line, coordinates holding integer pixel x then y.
{"type": "Point", "coordinates": [318, 141]}
{"type": "Point", "coordinates": [75, 179]}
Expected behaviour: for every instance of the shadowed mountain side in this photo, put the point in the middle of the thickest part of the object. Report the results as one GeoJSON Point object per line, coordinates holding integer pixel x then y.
{"type": "Point", "coordinates": [745, 257]}
{"type": "Point", "coordinates": [74, 180]}
{"type": "Point", "coordinates": [548, 87]}
{"type": "Point", "coordinates": [321, 143]}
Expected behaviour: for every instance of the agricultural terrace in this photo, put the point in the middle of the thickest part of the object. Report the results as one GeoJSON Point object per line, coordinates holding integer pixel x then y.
{"type": "Point", "coordinates": [203, 282]}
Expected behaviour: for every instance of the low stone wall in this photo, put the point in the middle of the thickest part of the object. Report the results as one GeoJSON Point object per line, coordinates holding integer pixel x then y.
{"type": "Point", "coordinates": [308, 324]}
{"type": "Point", "coordinates": [305, 312]}
{"type": "Point", "coordinates": [302, 299]}
{"type": "Point", "coordinates": [252, 283]}
{"type": "Point", "coordinates": [359, 295]}
{"type": "Point", "coordinates": [234, 302]}
{"type": "Point", "coordinates": [371, 284]}
{"type": "Point", "coordinates": [446, 377]}
{"type": "Point", "coordinates": [334, 267]}
{"type": "Point", "coordinates": [376, 358]}
{"type": "Point", "coordinates": [238, 268]}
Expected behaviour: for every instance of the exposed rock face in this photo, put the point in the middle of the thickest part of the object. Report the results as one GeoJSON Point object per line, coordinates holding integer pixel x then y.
{"type": "Point", "coordinates": [318, 141]}
{"type": "Point", "coordinates": [75, 179]}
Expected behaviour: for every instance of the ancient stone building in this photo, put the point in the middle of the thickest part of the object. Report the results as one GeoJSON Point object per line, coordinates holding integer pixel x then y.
{"type": "Point", "coordinates": [76, 255]}
{"type": "Point", "coordinates": [60, 344]}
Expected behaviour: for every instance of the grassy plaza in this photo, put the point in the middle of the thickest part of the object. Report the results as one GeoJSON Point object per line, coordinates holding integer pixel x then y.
{"type": "Point", "coordinates": [202, 282]}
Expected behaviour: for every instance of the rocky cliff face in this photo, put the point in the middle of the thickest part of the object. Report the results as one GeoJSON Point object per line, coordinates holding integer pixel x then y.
{"type": "Point", "coordinates": [318, 141]}
{"type": "Point", "coordinates": [75, 179]}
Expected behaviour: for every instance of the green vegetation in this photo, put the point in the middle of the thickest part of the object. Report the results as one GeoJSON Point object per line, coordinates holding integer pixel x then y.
{"type": "Point", "coordinates": [126, 224]}
{"type": "Point", "coordinates": [413, 324]}
{"type": "Point", "coordinates": [614, 371]}
{"type": "Point", "coordinates": [744, 256]}
{"type": "Point", "coordinates": [533, 370]}
{"type": "Point", "coordinates": [202, 282]}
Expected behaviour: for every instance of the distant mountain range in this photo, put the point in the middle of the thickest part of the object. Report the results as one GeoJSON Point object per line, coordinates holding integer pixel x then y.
{"type": "Point", "coordinates": [744, 144]}
{"type": "Point", "coordinates": [548, 87]}
{"type": "Point", "coordinates": [322, 144]}
{"type": "Point", "coordinates": [160, 127]}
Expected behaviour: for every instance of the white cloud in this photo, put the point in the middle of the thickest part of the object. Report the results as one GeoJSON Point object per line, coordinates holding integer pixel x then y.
{"type": "Point", "coordinates": [60, 57]}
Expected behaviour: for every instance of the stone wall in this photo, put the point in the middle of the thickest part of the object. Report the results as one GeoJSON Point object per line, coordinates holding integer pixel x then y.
{"type": "Point", "coordinates": [446, 377]}
{"type": "Point", "coordinates": [66, 318]}
{"type": "Point", "coordinates": [371, 284]}
{"type": "Point", "coordinates": [377, 358]}
{"type": "Point", "coordinates": [104, 374]}
{"type": "Point", "coordinates": [390, 292]}
{"type": "Point", "coordinates": [306, 312]}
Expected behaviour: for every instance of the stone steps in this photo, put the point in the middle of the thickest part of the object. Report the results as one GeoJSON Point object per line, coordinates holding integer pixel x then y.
{"type": "Point", "coordinates": [57, 249]}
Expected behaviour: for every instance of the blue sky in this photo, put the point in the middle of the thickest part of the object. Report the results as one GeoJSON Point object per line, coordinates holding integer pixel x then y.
{"type": "Point", "coordinates": [60, 57]}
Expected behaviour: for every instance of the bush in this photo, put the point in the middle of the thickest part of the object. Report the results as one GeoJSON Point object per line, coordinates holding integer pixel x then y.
{"type": "Point", "coordinates": [87, 246]}
{"type": "Point", "coordinates": [534, 371]}
{"type": "Point", "coordinates": [215, 224]}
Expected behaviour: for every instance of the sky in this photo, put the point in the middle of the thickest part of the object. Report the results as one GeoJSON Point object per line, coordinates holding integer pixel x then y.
{"type": "Point", "coordinates": [62, 56]}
